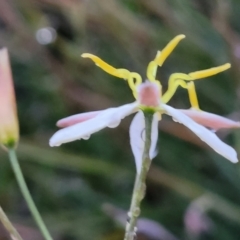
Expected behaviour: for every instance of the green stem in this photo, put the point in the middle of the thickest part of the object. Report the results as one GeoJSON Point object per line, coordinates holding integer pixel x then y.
{"type": "Point", "coordinates": [140, 186]}
{"type": "Point", "coordinates": [27, 195]}
{"type": "Point", "coordinates": [8, 225]}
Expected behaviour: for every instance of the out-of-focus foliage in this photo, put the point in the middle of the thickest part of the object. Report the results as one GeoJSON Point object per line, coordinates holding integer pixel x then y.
{"type": "Point", "coordinates": [192, 192]}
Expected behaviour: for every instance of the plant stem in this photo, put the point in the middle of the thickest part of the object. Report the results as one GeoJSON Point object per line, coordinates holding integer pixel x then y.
{"type": "Point", "coordinates": [27, 195]}
{"type": "Point", "coordinates": [140, 186]}
{"type": "Point", "coordinates": [8, 225]}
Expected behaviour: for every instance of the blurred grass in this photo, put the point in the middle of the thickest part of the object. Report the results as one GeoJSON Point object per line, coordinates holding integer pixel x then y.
{"type": "Point", "coordinates": [71, 183]}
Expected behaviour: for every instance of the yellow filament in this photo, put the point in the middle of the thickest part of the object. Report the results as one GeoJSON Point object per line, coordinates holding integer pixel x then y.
{"type": "Point", "coordinates": [134, 80]}
{"type": "Point", "coordinates": [192, 95]}
{"type": "Point", "coordinates": [209, 72]}
{"type": "Point", "coordinates": [178, 79]}
{"type": "Point", "coordinates": [172, 87]}
{"type": "Point", "coordinates": [151, 71]}
{"type": "Point", "coordinates": [162, 56]}
{"type": "Point", "coordinates": [137, 77]}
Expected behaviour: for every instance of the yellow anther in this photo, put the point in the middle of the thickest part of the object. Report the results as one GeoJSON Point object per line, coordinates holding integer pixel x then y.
{"type": "Point", "coordinates": [209, 72]}
{"type": "Point", "coordinates": [192, 95]}
{"type": "Point", "coordinates": [162, 56]}
{"type": "Point", "coordinates": [133, 78]}
{"type": "Point", "coordinates": [121, 73]}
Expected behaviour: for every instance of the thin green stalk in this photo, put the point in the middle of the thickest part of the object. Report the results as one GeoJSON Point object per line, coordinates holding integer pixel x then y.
{"type": "Point", "coordinates": [140, 186]}
{"type": "Point", "coordinates": [27, 195]}
{"type": "Point", "coordinates": [8, 225]}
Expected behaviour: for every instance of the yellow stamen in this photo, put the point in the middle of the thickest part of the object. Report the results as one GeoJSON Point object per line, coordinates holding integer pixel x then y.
{"type": "Point", "coordinates": [192, 95]}
{"type": "Point", "coordinates": [137, 77]}
{"type": "Point", "coordinates": [162, 56]}
{"type": "Point", "coordinates": [121, 73]}
{"type": "Point", "coordinates": [178, 79]}
{"type": "Point", "coordinates": [133, 78]}
{"type": "Point", "coordinates": [175, 80]}
{"type": "Point", "coordinates": [173, 84]}
{"type": "Point", "coordinates": [209, 72]}
{"type": "Point", "coordinates": [151, 71]}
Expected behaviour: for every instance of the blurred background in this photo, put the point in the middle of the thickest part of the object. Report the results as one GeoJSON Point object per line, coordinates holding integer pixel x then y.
{"type": "Point", "coordinates": [83, 189]}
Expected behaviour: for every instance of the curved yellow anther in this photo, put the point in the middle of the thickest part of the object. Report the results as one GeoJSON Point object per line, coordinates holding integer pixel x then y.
{"type": "Point", "coordinates": [133, 78]}
{"type": "Point", "coordinates": [121, 73]}
{"type": "Point", "coordinates": [209, 72]}
{"type": "Point", "coordinates": [162, 55]}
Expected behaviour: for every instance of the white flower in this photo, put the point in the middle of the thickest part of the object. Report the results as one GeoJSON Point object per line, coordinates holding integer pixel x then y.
{"type": "Point", "coordinates": [87, 123]}
{"type": "Point", "coordinates": [148, 96]}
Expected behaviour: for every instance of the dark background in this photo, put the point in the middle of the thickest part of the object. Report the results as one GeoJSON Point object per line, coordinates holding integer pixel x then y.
{"type": "Point", "coordinates": [81, 188]}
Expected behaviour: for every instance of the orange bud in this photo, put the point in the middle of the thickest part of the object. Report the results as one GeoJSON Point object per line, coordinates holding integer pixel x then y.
{"type": "Point", "coordinates": [9, 129]}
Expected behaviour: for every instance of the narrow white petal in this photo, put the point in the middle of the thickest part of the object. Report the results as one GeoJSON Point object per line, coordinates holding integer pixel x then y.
{"type": "Point", "coordinates": [154, 136]}
{"type": "Point", "coordinates": [203, 133]}
{"type": "Point", "coordinates": [137, 138]}
{"type": "Point", "coordinates": [77, 118]}
{"type": "Point", "coordinates": [136, 131]}
{"type": "Point", "coordinates": [108, 118]}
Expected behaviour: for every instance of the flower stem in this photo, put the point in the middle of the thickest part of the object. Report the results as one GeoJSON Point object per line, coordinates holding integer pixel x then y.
{"type": "Point", "coordinates": [27, 195]}
{"type": "Point", "coordinates": [8, 225]}
{"type": "Point", "coordinates": [140, 186]}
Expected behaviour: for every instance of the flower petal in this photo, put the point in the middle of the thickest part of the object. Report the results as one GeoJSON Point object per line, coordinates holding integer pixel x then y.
{"type": "Point", "coordinates": [210, 120]}
{"type": "Point", "coordinates": [204, 134]}
{"type": "Point", "coordinates": [108, 118]}
{"type": "Point", "coordinates": [77, 118]}
{"type": "Point", "coordinates": [137, 138]}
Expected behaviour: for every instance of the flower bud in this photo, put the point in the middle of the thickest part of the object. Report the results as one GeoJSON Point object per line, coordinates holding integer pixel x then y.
{"type": "Point", "coordinates": [9, 129]}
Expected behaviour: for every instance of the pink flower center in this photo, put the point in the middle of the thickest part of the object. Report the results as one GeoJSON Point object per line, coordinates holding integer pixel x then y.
{"type": "Point", "coordinates": [149, 94]}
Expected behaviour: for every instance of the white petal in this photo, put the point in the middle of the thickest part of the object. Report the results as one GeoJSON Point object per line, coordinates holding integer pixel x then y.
{"type": "Point", "coordinates": [108, 118]}
{"type": "Point", "coordinates": [137, 138]}
{"type": "Point", "coordinates": [77, 118]}
{"type": "Point", "coordinates": [114, 123]}
{"type": "Point", "coordinates": [204, 134]}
